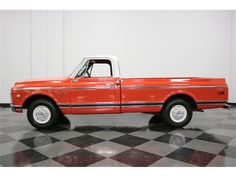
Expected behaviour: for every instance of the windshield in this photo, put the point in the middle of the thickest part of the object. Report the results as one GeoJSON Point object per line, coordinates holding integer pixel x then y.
{"type": "Point", "coordinates": [78, 68]}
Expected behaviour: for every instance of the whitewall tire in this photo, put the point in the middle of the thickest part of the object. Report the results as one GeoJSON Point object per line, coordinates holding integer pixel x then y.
{"type": "Point", "coordinates": [42, 113]}
{"type": "Point", "coordinates": [177, 113]}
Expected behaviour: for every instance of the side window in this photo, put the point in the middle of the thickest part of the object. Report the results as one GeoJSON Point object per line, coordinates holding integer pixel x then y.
{"type": "Point", "coordinates": [97, 68]}
{"type": "Point", "coordinates": [100, 70]}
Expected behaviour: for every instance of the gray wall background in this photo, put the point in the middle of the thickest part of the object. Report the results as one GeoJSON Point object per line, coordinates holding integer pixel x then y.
{"type": "Point", "coordinates": [42, 44]}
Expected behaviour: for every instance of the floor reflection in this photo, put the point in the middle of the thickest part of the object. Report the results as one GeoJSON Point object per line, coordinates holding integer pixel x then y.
{"type": "Point", "coordinates": [150, 142]}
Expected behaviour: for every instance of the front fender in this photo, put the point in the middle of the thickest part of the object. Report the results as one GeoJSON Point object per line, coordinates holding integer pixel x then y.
{"type": "Point", "coordinates": [28, 94]}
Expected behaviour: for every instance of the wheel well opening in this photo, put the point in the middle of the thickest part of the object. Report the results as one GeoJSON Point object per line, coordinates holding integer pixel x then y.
{"type": "Point", "coordinates": [184, 97]}
{"type": "Point", "coordinates": [34, 98]}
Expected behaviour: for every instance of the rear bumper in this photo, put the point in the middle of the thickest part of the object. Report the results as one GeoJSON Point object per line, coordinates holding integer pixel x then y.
{"type": "Point", "coordinates": [16, 108]}
{"type": "Point", "coordinates": [227, 106]}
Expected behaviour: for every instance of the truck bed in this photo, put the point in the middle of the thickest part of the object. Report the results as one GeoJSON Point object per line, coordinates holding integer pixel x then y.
{"type": "Point", "coordinates": [206, 92]}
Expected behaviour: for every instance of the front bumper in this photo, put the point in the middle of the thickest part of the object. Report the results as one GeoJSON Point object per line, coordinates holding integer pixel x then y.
{"type": "Point", "coordinates": [16, 108]}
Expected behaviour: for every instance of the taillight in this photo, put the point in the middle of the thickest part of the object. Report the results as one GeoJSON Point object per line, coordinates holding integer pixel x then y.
{"type": "Point", "coordinates": [221, 92]}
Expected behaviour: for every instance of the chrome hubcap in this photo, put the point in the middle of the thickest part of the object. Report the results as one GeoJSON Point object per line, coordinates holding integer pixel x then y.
{"type": "Point", "coordinates": [41, 114]}
{"type": "Point", "coordinates": [178, 113]}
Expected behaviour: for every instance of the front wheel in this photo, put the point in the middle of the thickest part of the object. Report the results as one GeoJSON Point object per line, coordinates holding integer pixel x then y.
{"type": "Point", "coordinates": [177, 113]}
{"type": "Point", "coordinates": [42, 114]}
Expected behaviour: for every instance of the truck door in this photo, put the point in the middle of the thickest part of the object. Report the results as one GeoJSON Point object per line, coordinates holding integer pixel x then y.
{"type": "Point", "coordinates": [95, 90]}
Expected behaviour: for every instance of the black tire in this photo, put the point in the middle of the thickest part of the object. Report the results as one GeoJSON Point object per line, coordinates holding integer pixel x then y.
{"type": "Point", "coordinates": [53, 111]}
{"type": "Point", "coordinates": [167, 111]}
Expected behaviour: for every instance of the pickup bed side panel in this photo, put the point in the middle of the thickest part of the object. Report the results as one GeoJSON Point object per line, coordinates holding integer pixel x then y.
{"type": "Point", "coordinates": [149, 95]}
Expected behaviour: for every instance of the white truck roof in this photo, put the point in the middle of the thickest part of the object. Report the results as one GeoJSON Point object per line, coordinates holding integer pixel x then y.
{"type": "Point", "coordinates": [114, 60]}
{"type": "Point", "coordinates": [102, 56]}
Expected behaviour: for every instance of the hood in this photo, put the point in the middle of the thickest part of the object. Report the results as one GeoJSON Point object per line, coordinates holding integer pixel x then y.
{"type": "Point", "coordinates": [40, 82]}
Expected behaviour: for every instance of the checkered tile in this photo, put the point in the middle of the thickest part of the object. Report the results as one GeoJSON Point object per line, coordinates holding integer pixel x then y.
{"type": "Point", "coordinates": [191, 156]}
{"type": "Point", "coordinates": [84, 141]}
{"type": "Point", "coordinates": [80, 158]}
{"type": "Point", "coordinates": [209, 140]}
{"type": "Point", "coordinates": [137, 158]}
{"type": "Point", "coordinates": [173, 139]}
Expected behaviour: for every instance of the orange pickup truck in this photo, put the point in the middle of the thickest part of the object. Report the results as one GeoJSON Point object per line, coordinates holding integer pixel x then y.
{"type": "Point", "coordinates": [95, 87]}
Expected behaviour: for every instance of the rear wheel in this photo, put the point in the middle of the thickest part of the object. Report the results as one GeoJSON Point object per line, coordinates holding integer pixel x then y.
{"type": "Point", "coordinates": [177, 113]}
{"type": "Point", "coordinates": [42, 114]}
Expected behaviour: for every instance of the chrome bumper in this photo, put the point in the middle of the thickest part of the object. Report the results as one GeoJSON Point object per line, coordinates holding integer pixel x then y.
{"type": "Point", "coordinates": [16, 109]}
{"type": "Point", "coordinates": [227, 106]}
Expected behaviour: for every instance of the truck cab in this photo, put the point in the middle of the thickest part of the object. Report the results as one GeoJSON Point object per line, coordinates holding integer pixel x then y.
{"type": "Point", "coordinates": [96, 81]}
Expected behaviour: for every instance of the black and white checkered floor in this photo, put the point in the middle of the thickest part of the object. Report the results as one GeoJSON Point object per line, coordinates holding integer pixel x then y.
{"type": "Point", "coordinates": [119, 140]}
